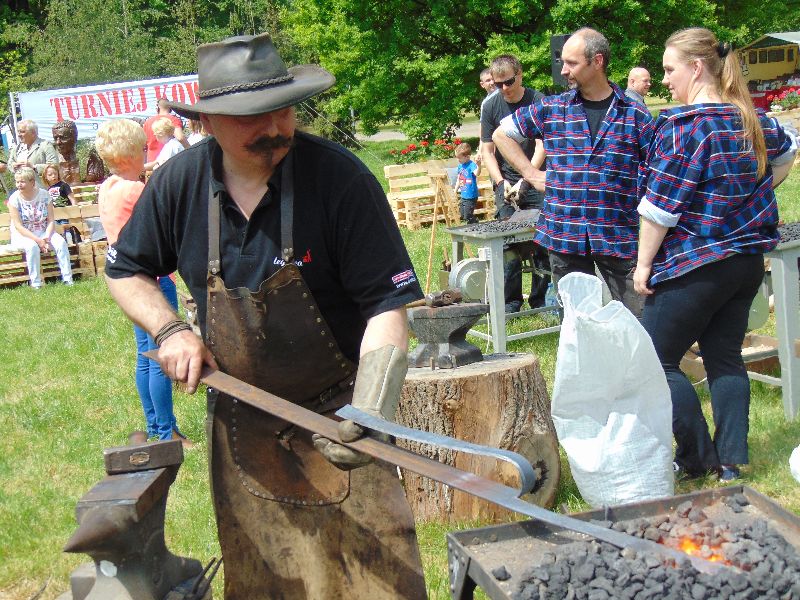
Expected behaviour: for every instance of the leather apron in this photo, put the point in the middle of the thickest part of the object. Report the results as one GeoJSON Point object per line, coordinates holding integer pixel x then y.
{"type": "Point", "coordinates": [291, 525]}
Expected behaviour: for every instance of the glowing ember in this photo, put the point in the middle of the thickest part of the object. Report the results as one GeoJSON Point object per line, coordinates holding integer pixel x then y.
{"type": "Point", "coordinates": [710, 553]}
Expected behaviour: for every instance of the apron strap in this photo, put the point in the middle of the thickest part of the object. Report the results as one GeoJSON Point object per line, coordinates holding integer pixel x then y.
{"type": "Point", "coordinates": [214, 265]}
{"type": "Point", "coordinates": [287, 207]}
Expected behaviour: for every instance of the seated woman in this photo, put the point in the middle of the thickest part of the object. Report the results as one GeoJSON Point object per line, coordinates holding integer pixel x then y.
{"type": "Point", "coordinates": [119, 143]}
{"type": "Point", "coordinates": [31, 213]}
{"type": "Point", "coordinates": [164, 130]}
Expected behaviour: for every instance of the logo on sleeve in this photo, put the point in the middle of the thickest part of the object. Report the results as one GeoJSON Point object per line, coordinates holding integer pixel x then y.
{"type": "Point", "coordinates": [404, 278]}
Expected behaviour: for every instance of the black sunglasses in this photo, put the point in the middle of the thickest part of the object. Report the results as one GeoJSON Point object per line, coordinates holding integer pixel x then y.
{"type": "Point", "coordinates": [506, 83]}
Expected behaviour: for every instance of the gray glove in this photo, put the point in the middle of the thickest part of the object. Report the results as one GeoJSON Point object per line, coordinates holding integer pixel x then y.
{"type": "Point", "coordinates": [380, 378]}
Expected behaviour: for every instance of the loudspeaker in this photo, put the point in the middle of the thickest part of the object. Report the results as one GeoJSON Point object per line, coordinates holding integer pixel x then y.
{"type": "Point", "coordinates": [556, 45]}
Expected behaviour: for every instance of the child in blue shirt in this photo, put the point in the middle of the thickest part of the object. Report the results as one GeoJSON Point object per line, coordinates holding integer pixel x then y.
{"type": "Point", "coordinates": [467, 183]}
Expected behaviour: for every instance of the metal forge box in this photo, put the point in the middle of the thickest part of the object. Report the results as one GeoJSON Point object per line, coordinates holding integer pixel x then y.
{"type": "Point", "coordinates": [524, 560]}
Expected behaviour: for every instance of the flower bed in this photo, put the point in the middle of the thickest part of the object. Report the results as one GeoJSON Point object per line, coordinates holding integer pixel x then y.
{"type": "Point", "coordinates": [425, 150]}
{"type": "Point", "coordinates": [786, 99]}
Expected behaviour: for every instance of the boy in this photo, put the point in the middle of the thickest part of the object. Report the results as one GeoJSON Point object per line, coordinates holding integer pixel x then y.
{"type": "Point", "coordinates": [467, 183]}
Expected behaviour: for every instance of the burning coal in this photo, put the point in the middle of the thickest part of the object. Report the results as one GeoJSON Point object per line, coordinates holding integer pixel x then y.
{"type": "Point", "coordinates": [763, 564]}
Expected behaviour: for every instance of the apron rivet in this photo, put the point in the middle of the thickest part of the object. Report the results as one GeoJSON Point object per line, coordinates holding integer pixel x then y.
{"type": "Point", "coordinates": [322, 332]}
{"type": "Point", "coordinates": [330, 344]}
{"type": "Point", "coordinates": [319, 320]}
{"type": "Point", "coordinates": [305, 295]}
{"type": "Point", "coordinates": [344, 365]}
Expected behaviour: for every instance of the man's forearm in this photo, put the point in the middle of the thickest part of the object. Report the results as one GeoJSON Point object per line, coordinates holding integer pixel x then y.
{"type": "Point", "coordinates": [141, 299]}
{"type": "Point", "coordinates": [490, 161]}
{"type": "Point", "coordinates": [390, 327]}
{"type": "Point", "coordinates": [514, 154]}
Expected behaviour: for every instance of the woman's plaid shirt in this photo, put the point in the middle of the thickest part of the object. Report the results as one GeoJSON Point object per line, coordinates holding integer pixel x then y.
{"type": "Point", "coordinates": [702, 183]}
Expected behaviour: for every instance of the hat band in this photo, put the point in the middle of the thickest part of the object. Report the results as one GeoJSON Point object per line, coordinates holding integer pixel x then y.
{"type": "Point", "coordinates": [244, 87]}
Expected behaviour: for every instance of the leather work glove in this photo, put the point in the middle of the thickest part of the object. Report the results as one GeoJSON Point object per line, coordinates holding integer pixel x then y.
{"type": "Point", "coordinates": [516, 192]}
{"type": "Point", "coordinates": [380, 378]}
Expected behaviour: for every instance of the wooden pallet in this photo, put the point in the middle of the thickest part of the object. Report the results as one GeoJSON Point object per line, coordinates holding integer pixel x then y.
{"type": "Point", "coordinates": [14, 270]}
{"type": "Point", "coordinates": [414, 189]}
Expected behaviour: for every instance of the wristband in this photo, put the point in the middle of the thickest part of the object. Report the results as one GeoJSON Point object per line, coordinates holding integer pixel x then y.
{"type": "Point", "coordinates": [170, 328]}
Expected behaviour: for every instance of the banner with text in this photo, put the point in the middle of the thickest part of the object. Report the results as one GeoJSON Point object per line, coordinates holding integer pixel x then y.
{"type": "Point", "coordinates": [92, 105]}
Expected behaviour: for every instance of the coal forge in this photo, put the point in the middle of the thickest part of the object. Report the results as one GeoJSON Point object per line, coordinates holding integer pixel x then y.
{"type": "Point", "coordinates": [762, 563]}
{"type": "Point", "coordinates": [753, 543]}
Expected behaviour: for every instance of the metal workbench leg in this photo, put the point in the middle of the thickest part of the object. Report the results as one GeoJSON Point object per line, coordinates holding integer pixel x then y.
{"type": "Point", "coordinates": [786, 287]}
{"type": "Point", "coordinates": [497, 296]}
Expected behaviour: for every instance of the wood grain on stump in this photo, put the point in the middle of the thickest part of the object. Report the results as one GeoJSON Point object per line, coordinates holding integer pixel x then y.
{"type": "Point", "coordinates": [500, 402]}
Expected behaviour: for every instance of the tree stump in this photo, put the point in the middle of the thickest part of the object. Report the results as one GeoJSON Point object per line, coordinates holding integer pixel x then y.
{"type": "Point", "coordinates": [501, 402]}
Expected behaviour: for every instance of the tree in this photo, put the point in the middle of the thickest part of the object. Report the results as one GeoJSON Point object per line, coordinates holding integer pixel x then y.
{"type": "Point", "coordinates": [418, 61]}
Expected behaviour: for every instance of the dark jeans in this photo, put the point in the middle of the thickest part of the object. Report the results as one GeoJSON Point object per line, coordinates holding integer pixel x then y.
{"type": "Point", "coordinates": [466, 209]}
{"type": "Point", "coordinates": [513, 254]}
{"type": "Point", "coordinates": [616, 272]}
{"type": "Point", "coordinates": [709, 305]}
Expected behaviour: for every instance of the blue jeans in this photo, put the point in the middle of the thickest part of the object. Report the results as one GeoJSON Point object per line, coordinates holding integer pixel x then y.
{"type": "Point", "coordinates": [155, 388]}
{"type": "Point", "coordinates": [709, 305]}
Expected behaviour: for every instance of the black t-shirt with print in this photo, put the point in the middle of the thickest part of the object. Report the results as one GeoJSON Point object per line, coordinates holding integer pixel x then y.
{"type": "Point", "coordinates": [346, 241]}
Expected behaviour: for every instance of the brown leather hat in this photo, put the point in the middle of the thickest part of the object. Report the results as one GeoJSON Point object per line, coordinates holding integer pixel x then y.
{"type": "Point", "coordinates": [245, 75]}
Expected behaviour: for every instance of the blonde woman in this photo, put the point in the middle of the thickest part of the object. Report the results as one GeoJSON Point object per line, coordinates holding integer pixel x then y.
{"type": "Point", "coordinates": [708, 216]}
{"type": "Point", "coordinates": [121, 144]}
{"type": "Point", "coordinates": [164, 130]}
{"type": "Point", "coordinates": [31, 213]}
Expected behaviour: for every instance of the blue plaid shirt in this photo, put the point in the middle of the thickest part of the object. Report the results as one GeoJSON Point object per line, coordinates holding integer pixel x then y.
{"type": "Point", "coordinates": [702, 183]}
{"type": "Point", "coordinates": [591, 188]}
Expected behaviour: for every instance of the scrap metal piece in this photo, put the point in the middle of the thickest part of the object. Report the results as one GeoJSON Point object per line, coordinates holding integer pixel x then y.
{"type": "Point", "coordinates": [527, 476]}
{"type": "Point", "coordinates": [140, 457]}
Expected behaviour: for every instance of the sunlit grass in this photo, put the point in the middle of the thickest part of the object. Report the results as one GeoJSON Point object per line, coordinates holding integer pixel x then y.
{"type": "Point", "coordinates": [67, 391]}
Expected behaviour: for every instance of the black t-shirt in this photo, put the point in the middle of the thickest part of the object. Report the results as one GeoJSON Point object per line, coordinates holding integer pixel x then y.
{"type": "Point", "coordinates": [596, 111]}
{"type": "Point", "coordinates": [346, 241]}
{"type": "Point", "coordinates": [59, 193]}
{"type": "Point", "coordinates": [496, 109]}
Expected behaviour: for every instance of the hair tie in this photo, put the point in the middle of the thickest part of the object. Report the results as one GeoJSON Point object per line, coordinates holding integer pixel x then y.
{"type": "Point", "coordinates": [723, 48]}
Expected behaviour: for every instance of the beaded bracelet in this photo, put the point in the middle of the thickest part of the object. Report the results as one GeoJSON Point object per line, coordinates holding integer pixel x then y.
{"type": "Point", "coordinates": [169, 328]}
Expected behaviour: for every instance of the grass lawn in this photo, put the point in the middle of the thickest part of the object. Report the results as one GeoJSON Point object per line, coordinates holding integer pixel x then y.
{"type": "Point", "coordinates": [67, 391]}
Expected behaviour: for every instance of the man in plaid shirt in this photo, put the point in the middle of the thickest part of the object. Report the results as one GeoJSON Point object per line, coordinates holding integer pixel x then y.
{"type": "Point", "coordinates": [595, 138]}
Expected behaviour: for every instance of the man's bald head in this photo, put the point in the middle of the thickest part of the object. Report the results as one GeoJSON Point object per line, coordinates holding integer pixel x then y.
{"type": "Point", "coordinates": [639, 81]}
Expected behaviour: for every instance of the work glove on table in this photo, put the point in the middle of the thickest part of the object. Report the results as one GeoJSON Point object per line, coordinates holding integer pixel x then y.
{"type": "Point", "coordinates": [380, 378]}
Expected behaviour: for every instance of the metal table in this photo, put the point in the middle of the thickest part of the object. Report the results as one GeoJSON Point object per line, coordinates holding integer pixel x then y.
{"type": "Point", "coordinates": [786, 288]}
{"type": "Point", "coordinates": [490, 244]}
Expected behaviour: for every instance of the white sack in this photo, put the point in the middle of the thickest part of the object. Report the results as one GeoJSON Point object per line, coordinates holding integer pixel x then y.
{"type": "Point", "coordinates": [611, 403]}
{"type": "Point", "coordinates": [794, 463]}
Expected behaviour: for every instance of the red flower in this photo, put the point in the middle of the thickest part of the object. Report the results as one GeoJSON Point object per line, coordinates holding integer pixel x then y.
{"type": "Point", "coordinates": [424, 143]}
{"type": "Point", "coordinates": [448, 147]}
{"type": "Point", "coordinates": [439, 142]}
{"type": "Point", "coordinates": [412, 146]}
{"type": "Point", "coordinates": [457, 141]}
{"type": "Point", "coordinates": [404, 151]}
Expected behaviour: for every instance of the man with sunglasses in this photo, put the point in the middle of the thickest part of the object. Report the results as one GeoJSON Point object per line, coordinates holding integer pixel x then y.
{"type": "Point", "coordinates": [595, 138]}
{"type": "Point", "coordinates": [506, 72]}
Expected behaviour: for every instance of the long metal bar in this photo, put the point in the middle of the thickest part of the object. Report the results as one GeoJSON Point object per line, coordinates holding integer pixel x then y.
{"type": "Point", "coordinates": [470, 483]}
{"type": "Point", "coordinates": [527, 475]}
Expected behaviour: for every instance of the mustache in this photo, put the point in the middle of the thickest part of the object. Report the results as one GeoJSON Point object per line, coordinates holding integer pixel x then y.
{"type": "Point", "coordinates": [267, 143]}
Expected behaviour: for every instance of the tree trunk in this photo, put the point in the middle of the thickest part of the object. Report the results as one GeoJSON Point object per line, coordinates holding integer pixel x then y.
{"type": "Point", "coordinates": [500, 402]}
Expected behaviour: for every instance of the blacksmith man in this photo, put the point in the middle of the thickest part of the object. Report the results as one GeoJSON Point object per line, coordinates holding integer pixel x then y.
{"type": "Point", "coordinates": [288, 245]}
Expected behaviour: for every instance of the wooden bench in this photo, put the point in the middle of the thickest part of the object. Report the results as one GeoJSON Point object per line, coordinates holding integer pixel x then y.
{"type": "Point", "coordinates": [413, 191]}
{"type": "Point", "coordinates": [85, 193]}
{"type": "Point", "coordinates": [13, 268]}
